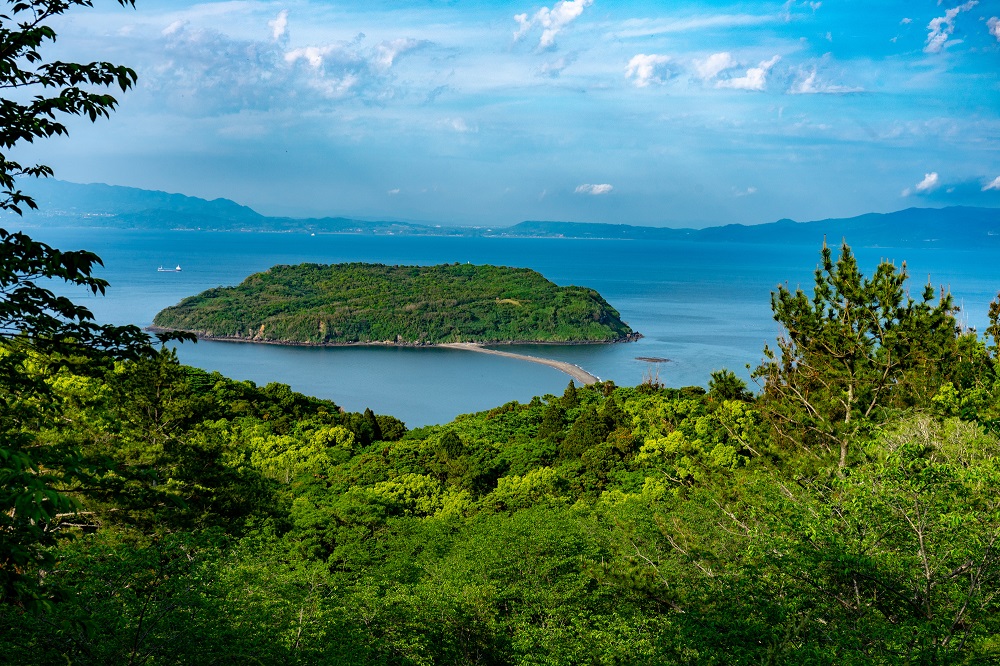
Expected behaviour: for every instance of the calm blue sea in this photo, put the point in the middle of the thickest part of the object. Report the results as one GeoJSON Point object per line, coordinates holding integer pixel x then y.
{"type": "Point", "coordinates": [702, 306]}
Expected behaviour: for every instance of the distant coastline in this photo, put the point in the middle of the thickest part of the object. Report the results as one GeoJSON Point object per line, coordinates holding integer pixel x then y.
{"type": "Point", "coordinates": [105, 206]}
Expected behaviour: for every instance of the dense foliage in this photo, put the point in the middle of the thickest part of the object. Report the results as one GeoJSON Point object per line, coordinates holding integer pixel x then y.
{"type": "Point", "coordinates": [219, 521]}
{"type": "Point", "coordinates": [216, 521]}
{"type": "Point", "coordinates": [348, 303]}
{"type": "Point", "coordinates": [36, 325]}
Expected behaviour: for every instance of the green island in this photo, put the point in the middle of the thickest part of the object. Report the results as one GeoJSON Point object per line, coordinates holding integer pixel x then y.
{"type": "Point", "coordinates": [358, 303]}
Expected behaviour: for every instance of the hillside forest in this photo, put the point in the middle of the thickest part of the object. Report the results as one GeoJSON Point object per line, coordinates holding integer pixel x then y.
{"type": "Point", "coordinates": [365, 303]}
{"type": "Point", "coordinates": [845, 514]}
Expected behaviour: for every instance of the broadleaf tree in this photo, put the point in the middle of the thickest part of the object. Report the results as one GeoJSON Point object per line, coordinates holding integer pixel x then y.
{"type": "Point", "coordinates": [36, 324]}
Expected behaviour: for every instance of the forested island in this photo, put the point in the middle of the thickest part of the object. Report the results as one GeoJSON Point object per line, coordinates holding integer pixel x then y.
{"type": "Point", "coordinates": [358, 303]}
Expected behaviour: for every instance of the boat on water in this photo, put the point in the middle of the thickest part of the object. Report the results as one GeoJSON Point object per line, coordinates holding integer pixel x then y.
{"type": "Point", "coordinates": [161, 269]}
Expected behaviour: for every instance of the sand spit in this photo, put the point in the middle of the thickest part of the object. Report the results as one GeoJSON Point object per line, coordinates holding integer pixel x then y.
{"type": "Point", "coordinates": [574, 371]}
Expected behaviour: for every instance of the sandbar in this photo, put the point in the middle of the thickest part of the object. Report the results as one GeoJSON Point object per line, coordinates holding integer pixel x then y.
{"type": "Point", "coordinates": [574, 371]}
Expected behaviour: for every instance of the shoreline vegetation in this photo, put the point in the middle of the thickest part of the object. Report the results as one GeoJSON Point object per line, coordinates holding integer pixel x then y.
{"type": "Point", "coordinates": [631, 337]}
{"type": "Point", "coordinates": [360, 303]}
{"type": "Point", "coordinates": [574, 371]}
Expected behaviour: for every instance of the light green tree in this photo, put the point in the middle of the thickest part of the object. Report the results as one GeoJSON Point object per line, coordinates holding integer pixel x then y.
{"type": "Point", "coordinates": [38, 93]}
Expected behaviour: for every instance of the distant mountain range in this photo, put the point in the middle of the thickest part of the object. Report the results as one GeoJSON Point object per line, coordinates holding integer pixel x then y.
{"type": "Point", "coordinates": [97, 205]}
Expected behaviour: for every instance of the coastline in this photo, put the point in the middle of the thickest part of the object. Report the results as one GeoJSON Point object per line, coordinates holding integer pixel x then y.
{"type": "Point", "coordinates": [631, 337]}
{"type": "Point", "coordinates": [574, 371]}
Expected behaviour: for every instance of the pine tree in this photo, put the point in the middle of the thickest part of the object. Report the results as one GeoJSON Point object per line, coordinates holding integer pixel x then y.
{"type": "Point", "coordinates": [854, 350]}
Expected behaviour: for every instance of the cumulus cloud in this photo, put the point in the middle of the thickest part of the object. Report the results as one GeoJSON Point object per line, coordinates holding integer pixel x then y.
{"type": "Point", "coordinates": [808, 84]}
{"type": "Point", "coordinates": [335, 70]}
{"type": "Point", "coordinates": [930, 182]}
{"type": "Point", "coordinates": [713, 65]}
{"type": "Point", "coordinates": [906, 21]}
{"type": "Point", "coordinates": [755, 78]}
{"type": "Point", "coordinates": [994, 25]}
{"type": "Point", "coordinates": [345, 68]}
{"type": "Point", "coordinates": [992, 185]}
{"type": "Point", "coordinates": [279, 26]}
{"type": "Point", "coordinates": [750, 191]}
{"type": "Point", "coordinates": [594, 190]}
{"type": "Point", "coordinates": [551, 21]}
{"type": "Point", "coordinates": [942, 27]}
{"type": "Point", "coordinates": [314, 55]}
{"type": "Point", "coordinates": [645, 69]}
{"type": "Point", "coordinates": [207, 72]}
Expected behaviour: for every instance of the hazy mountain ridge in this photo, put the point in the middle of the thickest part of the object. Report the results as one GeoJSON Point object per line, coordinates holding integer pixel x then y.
{"type": "Point", "coordinates": [99, 205]}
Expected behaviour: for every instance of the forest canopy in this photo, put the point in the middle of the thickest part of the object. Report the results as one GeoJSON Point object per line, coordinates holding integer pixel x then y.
{"type": "Point", "coordinates": [369, 303]}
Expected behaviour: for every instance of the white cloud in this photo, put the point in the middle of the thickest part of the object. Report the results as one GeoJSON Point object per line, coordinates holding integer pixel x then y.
{"type": "Point", "coordinates": [994, 26]}
{"type": "Point", "coordinates": [744, 193]}
{"type": "Point", "coordinates": [174, 28]}
{"type": "Point", "coordinates": [551, 21]}
{"type": "Point", "coordinates": [595, 190]}
{"type": "Point", "coordinates": [906, 21]}
{"type": "Point", "coordinates": [992, 185]}
{"type": "Point", "coordinates": [279, 26]}
{"type": "Point", "coordinates": [393, 192]}
{"type": "Point", "coordinates": [387, 52]}
{"type": "Point", "coordinates": [206, 72]}
{"type": "Point", "coordinates": [930, 182]}
{"type": "Point", "coordinates": [809, 85]}
{"type": "Point", "coordinates": [755, 78]}
{"type": "Point", "coordinates": [523, 26]}
{"type": "Point", "coordinates": [645, 69]}
{"type": "Point", "coordinates": [314, 55]}
{"type": "Point", "coordinates": [711, 66]}
{"type": "Point", "coordinates": [942, 27]}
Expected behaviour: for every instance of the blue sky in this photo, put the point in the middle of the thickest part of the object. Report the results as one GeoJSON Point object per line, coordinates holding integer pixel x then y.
{"type": "Point", "coordinates": [674, 113]}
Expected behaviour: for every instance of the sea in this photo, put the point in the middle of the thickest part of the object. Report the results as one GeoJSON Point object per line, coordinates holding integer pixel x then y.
{"type": "Point", "coordinates": [701, 307]}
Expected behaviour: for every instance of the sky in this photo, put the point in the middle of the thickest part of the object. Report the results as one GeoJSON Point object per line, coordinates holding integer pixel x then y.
{"type": "Point", "coordinates": [670, 113]}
